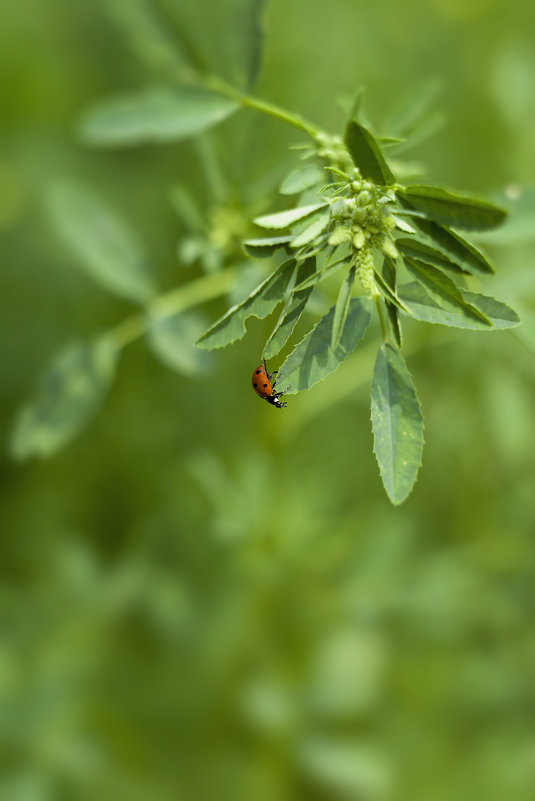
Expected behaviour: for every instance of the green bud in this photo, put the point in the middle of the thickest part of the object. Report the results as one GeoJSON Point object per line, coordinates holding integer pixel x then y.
{"type": "Point", "coordinates": [359, 240]}
{"type": "Point", "coordinates": [364, 198]}
{"type": "Point", "coordinates": [389, 249]}
{"type": "Point", "coordinates": [339, 236]}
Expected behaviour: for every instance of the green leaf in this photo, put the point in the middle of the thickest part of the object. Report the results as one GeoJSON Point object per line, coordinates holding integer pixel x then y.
{"type": "Point", "coordinates": [106, 248]}
{"type": "Point", "coordinates": [443, 291]}
{"type": "Point", "coordinates": [367, 154]}
{"type": "Point", "coordinates": [188, 210]}
{"type": "Point", "coordinates": [147, 34]}
{"type": "Point", "coordinates": [388, 293]}
{"type": "Point", "coordinates": [259, 304]}
{"type": "Point", "coordinates": [389, 277]}
{"type": "Point", "coordinates": [449, 208]}
{"type": "Point", "coordinates": [164, 114]}
{"type": "Point", "coordinates": [342, 306]}
{"type": "Point", "coordinates": [397, 424]}
{"type": "Point", "coordinates": [303, 178]}
{"type": "Point", "coordinates": [324, 272]}
{"type": "Point", "coordinates": [68, 395]}
{"type": "Point", "coordinates": [312, 231]}
{"type": "Point", "coordinates": [171, 339]}
{"type": "Point", "coordinates": [423, 307]}
{"type": "Point", "coordinates": [313, 359]}
{"type": "Point", "coordinates": [263, 248]}
{"type": "Point", "coordinates": [283, 219]}
{"type": "Point", "coordinates": [225, 40]}
{"type": "Point", "coordinates": [291, 313]}
{"type": "Point", "coordinates": [419, 250]}
{"type": "Point", "coordinates": [462, 252]}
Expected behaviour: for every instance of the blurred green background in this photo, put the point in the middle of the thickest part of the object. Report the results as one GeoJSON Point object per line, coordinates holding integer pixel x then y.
{"type": "Point", "coordinates": [201, 598]}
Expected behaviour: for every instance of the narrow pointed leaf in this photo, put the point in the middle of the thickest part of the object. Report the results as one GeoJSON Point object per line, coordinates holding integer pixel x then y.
{"type": "Point", "coordinates": [388, 293]}
{"type": "Point", "coordinates": [304, 177]}
{"type": "Point", "coordinates": [172, 341]}
{"type": "Point", "coordinates": [283, 219]}
{"type": "Point", "coordinates": [397, 424]}
{"type": "Point", "coordinates": [166, 114]}
{"type": "Point", "coordinates": [367, 154]}
{"type": "Point", "coordinates": [325, 272]}
{"type": "Point", "coordinates": [389, 277]}
{"type": "Point", "coordinates": [450, 208]}
{"type": "Point", "coordinates": [261, 302]}
{"type": "Point", "coordinates": [443, 291]}
{"type": "Point", "coordinates": [313, 359]}
{"type": "Point", "coordinates": [430, 255]}
{"type": "Point", "coordinates": [423, 307]}
{"type": "Point", "coordinates": [342, 306]}
{"type": "Point", "coordinates": [291, 312]}
{"type": "Point", "coordinates": [312, 231]}
{"type": "Point", "coordinates": [106, 248]}
{"type": "Point", "coordinates": [263, 248]}
{"type": "Point", "coordinates": [68, 395]}
{"type": "Point", "coordinates": [462, 252]}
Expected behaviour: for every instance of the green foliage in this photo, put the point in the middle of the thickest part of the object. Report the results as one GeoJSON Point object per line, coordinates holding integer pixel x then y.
{"type": "Point", "coordinates": [367, 155]}
{"type": "Point", "coordinates": [69, 393]}
{"type": "Point", "coordinates": [444, 206]}
{"type": "Point", "coordinates": [171, 339]}
{"type": "Point", "coordinates": [106, 248]}
{"type": "Point", "coordinates": [397, 423]}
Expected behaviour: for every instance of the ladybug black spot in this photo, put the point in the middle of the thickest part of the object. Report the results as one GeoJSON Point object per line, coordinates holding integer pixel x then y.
{"type": "Point", "coordinates": [258, 372]}
{"type": "Point", "coordinates": [265, 386]}
{"type": "Point", "coordinates": [255, 384]}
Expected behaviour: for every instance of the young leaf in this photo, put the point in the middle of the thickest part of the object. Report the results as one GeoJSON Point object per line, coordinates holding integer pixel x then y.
{"type": "Point", "coordinates": [69, 393]}
{"type": "Point", "coordinates": [172, 339]}
{"type": "Point", "coordinates": [389, 277]}
{"type": "Point", "coordinates": [324, 272]}
{"type": "Point", "coordinates": [164, 114]}
{"type": "Point", "coordinates": [283, 219]}
{"type": "Point", "coordinates": [342, 306]}
{"type": "Point", "coordinates": [263, 248]}
{"type": "Point", "coordinates": [107, 249]}
{"type": "Point", "coordinates": [291, 313]}
{"type": "Point", "coordinates": [443, 291]}
{"type": "Point", "coordinates": [367, 155]}
{"type": "Point", "coordinates": [303, 178]}
{"type": "Point", "coordinates": [312, 231]}
{"type": "Point", "coordinates": [419, 250]}
{"type": "Point", "coordinates": [462, 252]}
{"type": "Point", "coordinates": [449, 208]}
{"type": "Point", "coordinates": [397, 424]}
{"type": "Point", "coordinates": [313, 359]}
{"type": "Point", "coordinates": [423, 307]}
{"type": "Point", "coordinates": [259, 304]}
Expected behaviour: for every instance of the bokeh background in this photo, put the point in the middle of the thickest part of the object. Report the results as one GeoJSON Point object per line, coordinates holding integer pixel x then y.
{"type": "Point", "coordinates": [201, 598]}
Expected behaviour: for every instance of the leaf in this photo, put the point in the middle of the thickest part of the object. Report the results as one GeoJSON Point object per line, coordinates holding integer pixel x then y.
{"type": "Point", "coordinates": [283, 219]}
{"type": "Point", "coordinates": [449, 208]}
{"type": "Point", "coordinates": [313, 359]}
{"type": "Point", "coordinates": [423, 307]}
{"type": "Point", "coordinates": [68, 395]}
{"type": "Point", "coordinates": [342, 306]}
{"type": "Point", "coordinates": [387, 292]}
{"type": "Point", "coordinates": [171, 339]}
{"type": "Point", "coordinates": [397, 424]}
{"type": "Point", "coordinates": [225, 40]}
{"type": "Point", "coordinates": [462, 252]}
{"type": "Point", "coordinates": [162, 114]}
{"type": "Point", "coordinates": [324, 272]}
{"type": "Point", "coordinates": [389, 277]}
{"type": "Point", "coordinates": [430, 255]}
{"type": "Point", "coordinates": [303, 178]}
{"type": "Point", "coordinates": [291, 313]}
{"type": "Point", "coordinates": [107, 249]}
{"type": "Point", "coordinates": [312, 231]}
{"type": "Point", "coordinates": [147, 34]}
{"type": "Point", "coordinates": [188, 210]}
{"type": "Point", "coordinates": [411, 108]}
{"type": "Point", "coordinates": [443, 291]}
{"type": "Point", "coordinates": [259, 304]}
{"type": "Point", "coordinates": [367, 154]}
{"type": "Point", "coordinates": [263, 248]}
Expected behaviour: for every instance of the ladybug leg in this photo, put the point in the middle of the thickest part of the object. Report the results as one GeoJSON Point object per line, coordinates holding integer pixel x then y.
{"type": "Point", "coordinates": [278, 394]}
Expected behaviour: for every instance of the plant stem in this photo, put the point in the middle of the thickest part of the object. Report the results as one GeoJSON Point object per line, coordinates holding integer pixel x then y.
{"type": "Point", "coordinates": [247, 101]}
{"type": "Point", "coordinates": [170, 303]}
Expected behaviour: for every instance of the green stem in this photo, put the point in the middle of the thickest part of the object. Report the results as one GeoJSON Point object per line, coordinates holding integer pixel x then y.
{"type": "Point", "coordinates": [170, 303]}
{"type": "Point", "coordinates": [247, 101]}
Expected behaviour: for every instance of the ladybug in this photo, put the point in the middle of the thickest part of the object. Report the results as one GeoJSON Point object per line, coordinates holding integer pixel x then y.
{"type": "Point", "coordinates": [263, 386]}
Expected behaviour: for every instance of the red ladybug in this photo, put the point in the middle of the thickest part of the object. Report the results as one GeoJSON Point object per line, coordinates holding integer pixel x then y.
{"type": "Point", "coordinates": [263, 386]}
